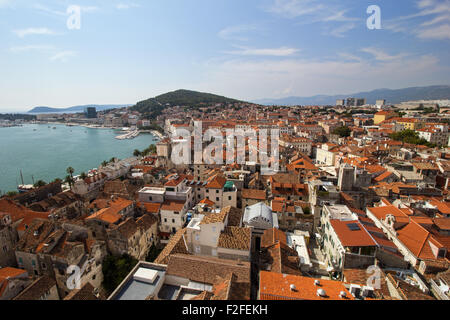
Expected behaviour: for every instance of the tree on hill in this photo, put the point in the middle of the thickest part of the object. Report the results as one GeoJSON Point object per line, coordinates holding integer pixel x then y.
{"type": "Point", "coordinates": [155, 106]}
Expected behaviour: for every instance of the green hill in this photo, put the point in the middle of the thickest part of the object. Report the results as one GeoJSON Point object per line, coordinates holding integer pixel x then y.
{"type": "Point", "coordinates": [153, 107]}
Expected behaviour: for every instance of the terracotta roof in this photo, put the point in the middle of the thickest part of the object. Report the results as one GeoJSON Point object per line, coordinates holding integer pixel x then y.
{"type": "Point", "coordinates": [228, 288]}
{"type": "Point", "coordinates": [276, 286]}
{"type": "Point", "coordinates": [176, 245]}
{"type": "Point", "coordinates": [349, 238]}
{"type": "Point", "coordinates": [206, 269]}
{"type": "Point", "coordinates": [383, 176]}
{"type": "Point", "coordinates": [86, 293]}
{"type": "Point", "coordinates": [20, 213]}
{"type": "Point", "coordinates": [150, 207]}
{"type": "Point", "coordinates": [36, 289]}
{"type": "Point", "coordinates": [172, 206]}
{"type": "Point", "coordinates": [234, 216]}
{"type": "Point", "coordinates": [214, 217]}
{"type": "Point", "coordinates": [217, 182]}
{"type": "Point", "coordinates": [9, 273]}
{"type": "Point", "coordinates": [207, 202]}
{"type": "Point", "coordinates": [272, 236]}
{"type": "Point", "coordinates": [442, 223]}
{"type": "Point", "coordinates": [254, 194]}
{"type": "Point", "coordinates": [105, 215]}
{"type": "Point", "coordinates": [417, 239]}
{"type": "Point", "coordinates": [175, 182]}
{"type": "Point", "coordinates": [235, 238]}
{"type": "Point", "coordinates": [282, 259]}
{"type": "Point", "coordinates": [360, 276]}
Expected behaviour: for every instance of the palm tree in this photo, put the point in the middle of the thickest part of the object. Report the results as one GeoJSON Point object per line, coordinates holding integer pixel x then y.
{"type": "Point", "coordinates": [70, 171]}
{"type": "Point", "coordinates": [69, 180]}
{"type": "Point", "coordinates": [137, 153]}
{"type": "Point", "coordinates": [40, 183]}
{"type": "Point", "coordinates": [83, 175]}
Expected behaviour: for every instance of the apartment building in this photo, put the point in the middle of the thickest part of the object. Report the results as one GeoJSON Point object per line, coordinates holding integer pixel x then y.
{"type": "Point", "coordinates": [344, 241]}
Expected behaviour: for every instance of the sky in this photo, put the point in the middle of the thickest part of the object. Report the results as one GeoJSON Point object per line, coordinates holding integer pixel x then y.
{"type": "Point", "coordinates": [127, 51]}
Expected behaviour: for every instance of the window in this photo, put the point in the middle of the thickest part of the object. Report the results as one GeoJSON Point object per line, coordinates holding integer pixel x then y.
{"type": "Point", "coordinates": [229, 198]}
{"type": "Point", "coordinates": [173, 220]}
{"type": "Point", "coordinates": [197, 249]}
{"type": "Point", "coordinates": [197, 237]}
{"type": "Point", "coordinates": [217, 198]}
{"type": "Point", "coordinates": [150, 198]}
{"type": "Point", "coordinates": [217, 191]}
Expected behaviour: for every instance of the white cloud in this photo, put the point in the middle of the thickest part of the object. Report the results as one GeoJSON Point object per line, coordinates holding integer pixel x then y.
{"type": "Point", "coordinates": [238, 32]}
{"type": "Point", "coordinates": [46, 9]}
{"type": "Point", "coordinates": [295, 8]}
{"type": "Point", "coordinates": [89, 9]}
{"type": "Point", "coordinates": [436, 25]}
{"type": "Point", "coordinates": [269, 78]}
{"type": "Point", "coordinates": [276, 52]}
{"type": "Point", "coordinates": [63, 56]}
{"type": "Point", "coordinates": [341, 30]}
{"type": "Point", "coordinates": [380, 55]}
{"type": "Point", "coordinates": [441, 32]}
{"type": "Point", "coordinates": [331, 14]}
{"type": "Point", "coordinates": [33, 31]}
{"type": "Point", "coordinates": [31, 48]}
{"type": "Point", "coordinates": [124, 6]}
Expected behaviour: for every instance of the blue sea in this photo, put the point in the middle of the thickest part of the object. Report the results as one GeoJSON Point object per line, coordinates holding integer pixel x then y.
{"type": "Point", "coordinates": [44, 153]}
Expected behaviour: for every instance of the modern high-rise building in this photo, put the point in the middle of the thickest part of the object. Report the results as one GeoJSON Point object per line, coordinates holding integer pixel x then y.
{"type": "Point", "coordinates": [355, 102]}
{"type": "Point", "coordinates": [90, 112]}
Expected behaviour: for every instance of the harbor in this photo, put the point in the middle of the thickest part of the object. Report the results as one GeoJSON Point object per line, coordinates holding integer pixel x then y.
{"type": "Point", "coordinates": [128, 135]}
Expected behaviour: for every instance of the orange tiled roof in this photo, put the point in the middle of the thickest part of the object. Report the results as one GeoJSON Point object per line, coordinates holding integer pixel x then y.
{"type": "Point", "coordinates": [105, 215]}
{"type": "Point", "coordinates": [172, 205]}
{"type": "Point", "coordinates": [20, 213]}
{"type": "Point", "coordinates": [349, 238]}
{"type": "Point", "coordinates": [276, 286]}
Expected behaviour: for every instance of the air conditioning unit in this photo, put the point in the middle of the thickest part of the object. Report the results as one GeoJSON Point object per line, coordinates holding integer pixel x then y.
{"type": "Point", "coordinates": [367, 291]}
{"type": "Point", "coordinates": [355, 290]}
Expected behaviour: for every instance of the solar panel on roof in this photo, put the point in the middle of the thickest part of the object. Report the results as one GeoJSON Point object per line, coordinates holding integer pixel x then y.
{"type": "Point", "coordinates": [353, 226]}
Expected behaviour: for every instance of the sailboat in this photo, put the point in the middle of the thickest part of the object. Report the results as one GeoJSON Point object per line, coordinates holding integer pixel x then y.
{"type": "Point", "coordinates": [22, 188]}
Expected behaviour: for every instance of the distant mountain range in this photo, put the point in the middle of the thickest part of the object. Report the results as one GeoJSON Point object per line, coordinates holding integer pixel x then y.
{"type": "Point", "coordinates": [153, 107]}
{"type": "Point", "coordinates": [391, 96]}
{"type": "Point", "coordinates": [76, 109]}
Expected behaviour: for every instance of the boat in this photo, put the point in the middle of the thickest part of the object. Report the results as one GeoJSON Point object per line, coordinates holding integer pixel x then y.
{"type": "Point", "coordinates": [22, 188]}
{"type": "Point", "coordinates": [54, 127]}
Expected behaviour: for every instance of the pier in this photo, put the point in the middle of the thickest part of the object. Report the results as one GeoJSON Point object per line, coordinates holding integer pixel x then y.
{"type": "Point", "coordinates": [129, 135]}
